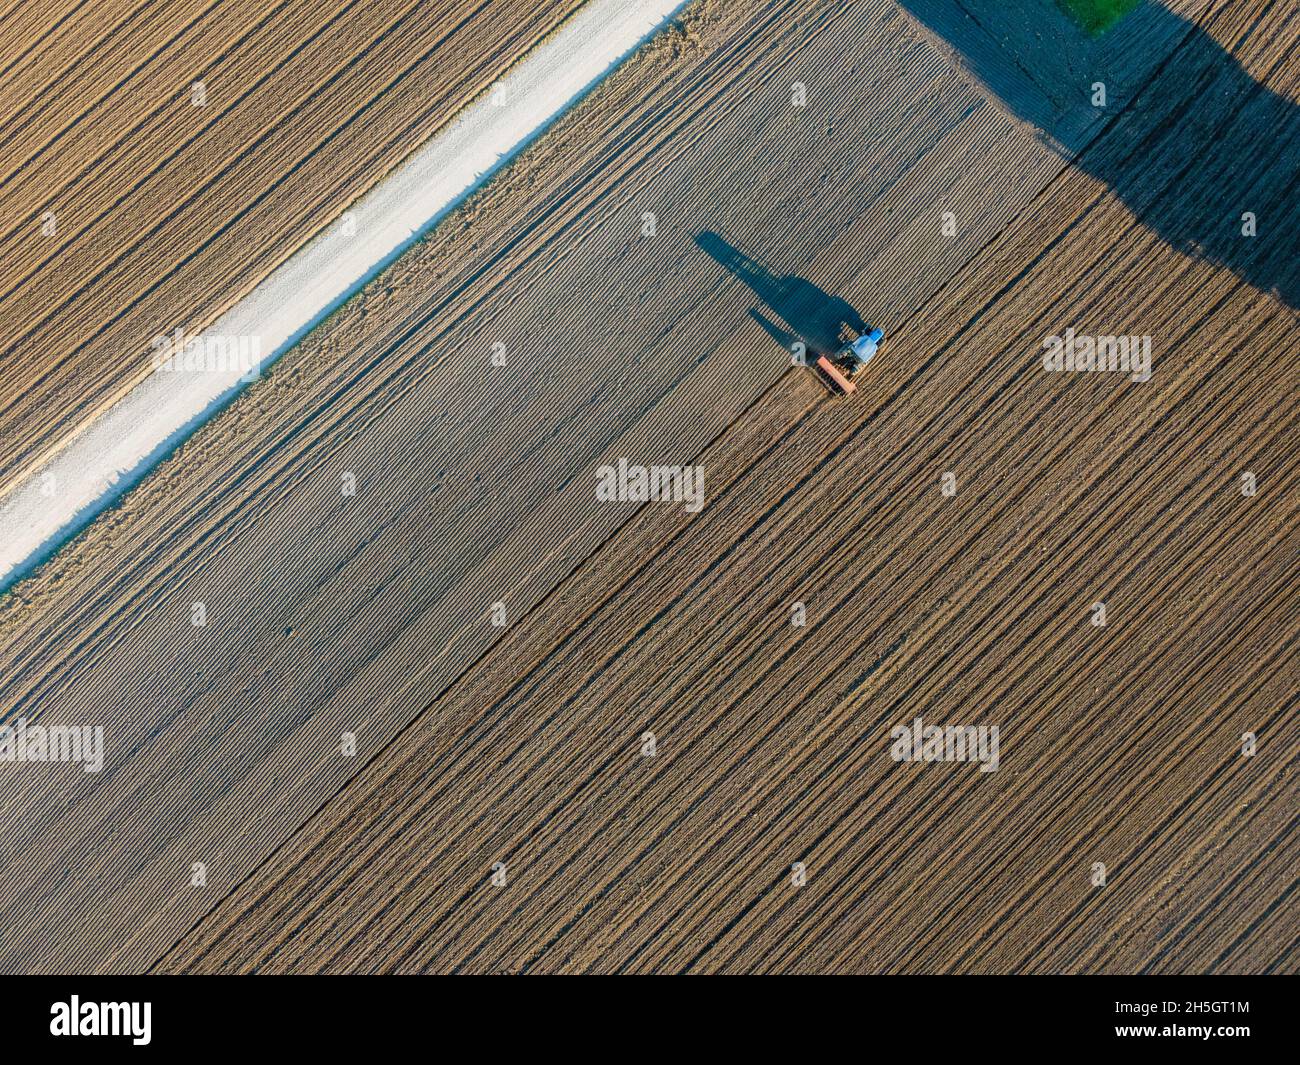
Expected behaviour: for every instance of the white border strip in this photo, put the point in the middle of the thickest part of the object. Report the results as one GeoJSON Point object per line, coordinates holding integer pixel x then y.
{"type": "Point", "coordinates": [118, 448]}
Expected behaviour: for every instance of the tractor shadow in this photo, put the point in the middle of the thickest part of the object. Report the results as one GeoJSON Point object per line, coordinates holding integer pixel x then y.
{"type": "Point", "coordinates": [1195, 146]}
{"type": "Point", "coordinates": [805, 312]}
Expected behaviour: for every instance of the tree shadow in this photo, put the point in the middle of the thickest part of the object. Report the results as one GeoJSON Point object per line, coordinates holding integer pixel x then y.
{"type": "Point", "coordinates": [810, 313]}
{"type": "Point", "coordinates": [1196, 147]}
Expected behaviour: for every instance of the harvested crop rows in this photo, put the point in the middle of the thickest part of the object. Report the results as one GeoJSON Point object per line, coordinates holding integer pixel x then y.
{"type": "Point", "coordinates": [166, 212]}
{"type": "Point", "coordinates": [770, 739]}
{"type": "Point", "coordinates": [523, 746]}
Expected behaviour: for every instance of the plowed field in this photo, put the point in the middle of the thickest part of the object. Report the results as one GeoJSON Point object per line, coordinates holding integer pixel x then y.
{"type": "Point", "coordinates": [503, 811]}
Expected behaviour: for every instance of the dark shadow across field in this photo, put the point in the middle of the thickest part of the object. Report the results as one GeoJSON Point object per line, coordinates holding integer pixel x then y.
{"type": "Point", "coordinates": [1197, 148]}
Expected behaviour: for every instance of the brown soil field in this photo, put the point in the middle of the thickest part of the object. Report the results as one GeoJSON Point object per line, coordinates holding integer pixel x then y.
{"type": "Point", "coordinates": [523, 745]}
{"type": "Point", "coordinates": [166, 212]}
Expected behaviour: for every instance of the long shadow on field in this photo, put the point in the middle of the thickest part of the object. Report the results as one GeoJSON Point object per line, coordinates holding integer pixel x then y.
{"type": "Point", "coordinates": [809, 312]}
{"type": "Point", "coordinates": [1197, 149]}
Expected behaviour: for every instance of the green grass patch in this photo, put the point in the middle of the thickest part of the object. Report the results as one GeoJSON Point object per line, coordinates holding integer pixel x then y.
{"type": "Point", "coordinates": [1097, 15]}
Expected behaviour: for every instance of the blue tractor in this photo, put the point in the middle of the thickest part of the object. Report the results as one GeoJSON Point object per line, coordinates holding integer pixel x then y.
{"type": "Point", "coordinates": [847, 363]}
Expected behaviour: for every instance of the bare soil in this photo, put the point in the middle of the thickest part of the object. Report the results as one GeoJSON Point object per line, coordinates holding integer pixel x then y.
{"type": "Point", "coordinates": [523, 745]}
{"type": "Point", "coordinates": [164, 212]}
